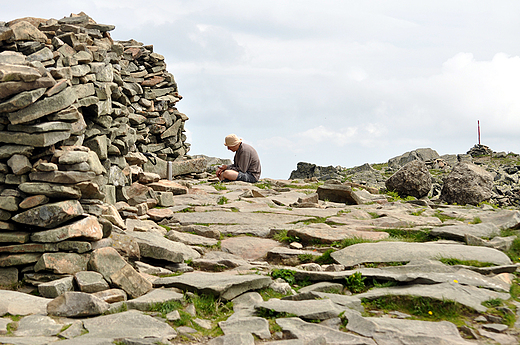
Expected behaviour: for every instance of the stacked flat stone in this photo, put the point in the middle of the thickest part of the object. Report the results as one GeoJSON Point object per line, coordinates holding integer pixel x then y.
{"type": "Point", "coordinates": [81, 116]}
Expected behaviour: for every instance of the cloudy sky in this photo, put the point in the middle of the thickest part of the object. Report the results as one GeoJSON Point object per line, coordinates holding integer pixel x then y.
{"type": "Point", "coordinates": [328, 82]}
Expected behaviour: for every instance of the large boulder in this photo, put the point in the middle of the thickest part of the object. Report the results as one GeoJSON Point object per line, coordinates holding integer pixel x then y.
{"type": "Point", "coordinates": [413, 179]}
{"type": "Point", "coordinates": [424, 154]}
{"type": "Point", "coordinates": [467, 184]}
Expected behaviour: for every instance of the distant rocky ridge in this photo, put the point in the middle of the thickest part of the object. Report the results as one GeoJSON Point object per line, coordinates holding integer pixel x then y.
{"type": "Point", "coordinates": [503, 167]}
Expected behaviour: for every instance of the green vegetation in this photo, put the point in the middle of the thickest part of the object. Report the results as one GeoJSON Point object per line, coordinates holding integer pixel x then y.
{"type": "Point", "coordinates": [495, 206]}
{"type": "Point", "coordinates": [514, 251]}
{"type": "Point", "coordinates": [305, 258]}
{"type": "Point", "coordinates": [515, 289]}
{"type": "Point", "coordinates": [493, 303]}
{"type": "Point", "coordinates": [268, 293]}
{"type": "Point", "coordinates": [444, 217]}
{"type": "Point", "coordinates": [285, 274]}
{"type": "Point", "coordinates": [476, 220]}
{"type": "Point", "coordinates": [380, 166]}
{"type": "Point", "coordinates": [263, 185]}
{"type": "Point", "coordinates": [207, 307]}
{"type": "Point", "coordinates": [418, 212]}
{"type": "Point", "coordinates": [222, 200]}
{"type": "Point", "coordinates": [474, 263]}
{"type": "Point", "coordinates": [423, 308]}
{"type": "Point", "coordinates": [394, 196]}
{"type": "Point", "coordinates": [220, 186]}
{"type": "Point", "coordinates": [282, 237]}
{"type": "Point", "coordinates": [374, 215]}
{"type": "Point", "coordinates": [408, 235]}
{"type": "Point", "coordinates": [350, 241]}
{"type": "Point", "coordinates": [356, 283]}
{"type": "Point", "coordinates": [325, 258]}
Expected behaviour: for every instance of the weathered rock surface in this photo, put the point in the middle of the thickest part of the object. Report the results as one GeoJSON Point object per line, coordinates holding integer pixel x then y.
{"type": "Point", "coordinates": [223, 285]}
{"type": "Point", "coordinates": [467, 184]}
{"type": "Point", "coordinates": [405, 252]}
{"type": "Point", "coordinates": [412, 179]}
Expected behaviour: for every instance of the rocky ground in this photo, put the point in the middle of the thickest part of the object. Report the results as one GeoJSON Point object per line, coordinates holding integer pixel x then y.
{"type": "Point", "coordinates": [270, 263]}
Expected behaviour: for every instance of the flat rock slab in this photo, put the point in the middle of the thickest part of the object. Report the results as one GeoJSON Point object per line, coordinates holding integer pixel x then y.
{"type": "Point", "coordinates": [326, 234]}
{"type": "Point", "coordinates": [224, 217]}
{"type": "Point", "coordinates": [255, 325]}
{"type": "Point", "coordinates": [306, 309]}
{"type": "Point", "coordinates": [433, 272]}
{"type": "Point", "coordinates": [469, 296]}
{"type": "Point", "coordinates": [406, 251]}
{"type": "Point", "coordinates": [351, 302]}
{"type": "Point", "coordinates": [246, 247]}
{"type": "Point", "coordinates": [147, 301]}
{"type": "Point", "coordinates": [32, 341]}
{"type": "Point", "coordinates": [308, 211]}
{"type": "Point", "coordinates": [458, 232]}
{"type": "Point", "coordinates": [87, 228]}
{"type": "Point", "coordinates": [224, 285]}
{"type": "Point", "coordinates": [18, 303]}
{"type": "Point", "coordinates": [37, 326]}
{"type": "Point", "coordinates": [191, 239]}
{"type": "Point", "coordinates": [128, 324]}
{"type": "Point", "coordinates": [296, 328]}
{"type": "Point", "coordinates": [154, 246]}
{"type": "Point", "coordinates": [258, 230]}
{"type": "Point", "coordinates": [399, 331]}
{"type": "Point", "coordinates": [503, 219]}
{"type": "Point", "coordinates": [50, 215]}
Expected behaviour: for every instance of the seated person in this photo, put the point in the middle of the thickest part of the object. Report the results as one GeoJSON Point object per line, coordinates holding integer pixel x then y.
{"type": "Point", "coordinates": [246, 164]}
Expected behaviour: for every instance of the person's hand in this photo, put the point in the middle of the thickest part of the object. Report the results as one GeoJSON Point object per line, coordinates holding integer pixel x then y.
{"type": "Point", "coordinates": [220, 169]}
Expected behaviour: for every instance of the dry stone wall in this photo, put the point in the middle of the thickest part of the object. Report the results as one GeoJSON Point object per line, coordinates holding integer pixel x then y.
{"type": "Point", "coordinates": [81, 119]}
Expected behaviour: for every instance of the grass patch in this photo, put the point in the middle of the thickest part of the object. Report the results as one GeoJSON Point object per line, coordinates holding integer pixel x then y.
{"type": "Point", "coordinates": [282, 237]}
{"type": "Point", "coordinates": [220, 186]}
{"type": "Point", "coordinates": [514, 251]}
{"type": "Point", "coordinates": [325, 258]}
{"type": "Point", "coordinates": [166, 307]}
{"type": "Point", "coordinates": [408, 235]}
{"type": "Point", "coordinates": [444, 217]}
{"type": "Point", "coordinates": [222, 200]}
{"type": "Point", "coordinates": [423, 308]}
{"type": "Point", "coordinates": [394, 196]}
{"type": "Point", "coordinates": [350, 241]}
{"type": "Point", "coordinates": [418, 212]}
{"type": "Point", "coordinates": [476, 220]}
{"type": "Point", "coordinates": [285, 274]}
{"type": "Point", "coordinates": [305, 258]}
{"type": "Point", "coordinates": [268, 293]}
{"type": "Point", "coordinates": [515, 289]}
{"type": "Point", "coordinates": [263, 185]}
{"type": "Point", "coordinates": [493, 303]}
{"type": "Point", "coordinates": [474, 263]}
{"type": "Point", "coordinates": [356, 283]}
{"type": "Point", "coordinates": [374, 215]}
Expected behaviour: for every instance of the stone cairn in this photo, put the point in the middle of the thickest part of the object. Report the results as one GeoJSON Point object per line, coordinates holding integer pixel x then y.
{"type": "Point", "coordinates": [87, 127]}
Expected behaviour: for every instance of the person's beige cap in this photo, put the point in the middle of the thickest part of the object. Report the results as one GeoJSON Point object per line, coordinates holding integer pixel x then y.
{"type": "Point", "coordinates": [232, 140]}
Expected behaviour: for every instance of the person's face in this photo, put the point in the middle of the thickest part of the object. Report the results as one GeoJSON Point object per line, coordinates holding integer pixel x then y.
{"type": "Point", "coordinates": [233, 148]}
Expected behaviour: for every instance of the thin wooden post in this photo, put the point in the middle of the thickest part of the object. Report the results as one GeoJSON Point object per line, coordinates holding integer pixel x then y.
{"type": "Point", "coordinates": [478, 123]}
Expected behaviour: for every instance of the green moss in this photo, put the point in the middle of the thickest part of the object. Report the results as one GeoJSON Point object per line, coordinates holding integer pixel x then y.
{"type": "Point", "coordinates": [423, 308]}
